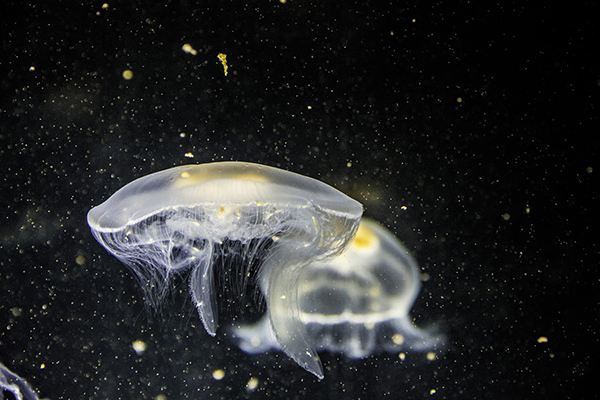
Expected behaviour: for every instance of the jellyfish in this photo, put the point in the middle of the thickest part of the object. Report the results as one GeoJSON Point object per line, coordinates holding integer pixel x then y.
{"type": "Point", "coordinates": [186, 218]}
{"type": "Point", "coordinates": [14, 384]}
{"type": "Point", "coordinates": [356, 304]}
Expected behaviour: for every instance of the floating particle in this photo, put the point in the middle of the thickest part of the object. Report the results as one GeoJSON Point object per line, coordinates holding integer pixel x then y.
{"type": "Point", "coordinates": [223, 58]}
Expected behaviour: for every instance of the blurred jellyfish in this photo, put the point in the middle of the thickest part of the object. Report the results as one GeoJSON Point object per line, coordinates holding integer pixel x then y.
{"type": "Point", "coordinates": [356, 304]}
{"type": "Point", "coordinates": [15, 385]}
{"type": "Point", "coordinates": [188, 217]}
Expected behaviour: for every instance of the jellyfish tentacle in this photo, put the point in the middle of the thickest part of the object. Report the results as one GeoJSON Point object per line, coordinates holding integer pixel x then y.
{"type": "Point", "coordinates": [14, 384]}
{"type": "Point", "coordinates": [203, 291]}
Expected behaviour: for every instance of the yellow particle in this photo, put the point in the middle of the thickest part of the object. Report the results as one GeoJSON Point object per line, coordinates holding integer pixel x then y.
{"type": "Point", "coordinates": [189, 49]}
{"type": "Point", "coordinates": [252, 383]}
{"type": "Point", "coordinates": [32, 68]}
{"type": "Point", "coordinates": [127, 74]}
{"type": "Point", "coordinates": [431, 356]}
{"type": "Point", "coordinates": [283, 1]}
{"type": "Point", "coordinates": [139, 346]}
{"type": "Point", "coordinates": [80, 260]}
{"type": "Point", "coordinates": [459, 99]}
{"type": "Point", "coordinates": [349, 164]}
{"type": "Point", "coordinates": [161, 397]}
{"type": "Point", "coordinates": [542, 339]}
{"type": "Point", "coordinates": [189, 155]}
{"type": "Point", "coordinates": [402, 356]}
{"type": "Point", "coordinates": [404, 208]}
{"type": "Point", "coordinates": [432, 391]}
{"type": "Point", "coordinates": [105, 6]}
{"type": "Point", "coordinates": [506, 216]}
{"type": "Point", "coordinates": [223, 58]}
{"type": "Point", "coordinates": [218, 374]}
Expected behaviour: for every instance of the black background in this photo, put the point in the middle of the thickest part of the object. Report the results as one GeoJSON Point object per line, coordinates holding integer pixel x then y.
{"type": "Point", "coordinates": [469, 129]}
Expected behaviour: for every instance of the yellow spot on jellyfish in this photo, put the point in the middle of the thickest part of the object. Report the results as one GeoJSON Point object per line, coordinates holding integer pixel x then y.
{"type": "Point", "coordinates": [186, 218]}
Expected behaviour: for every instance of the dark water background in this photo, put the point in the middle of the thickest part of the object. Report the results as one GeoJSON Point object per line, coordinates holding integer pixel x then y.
{"type": "Point", "coordinates": [470, 129]}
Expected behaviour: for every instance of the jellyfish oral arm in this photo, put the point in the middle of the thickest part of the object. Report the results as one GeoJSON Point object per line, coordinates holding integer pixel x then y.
{"type": "Point", "coordinates": [284, 315]}
{"type": "Point", "coordinates": [203, 291]}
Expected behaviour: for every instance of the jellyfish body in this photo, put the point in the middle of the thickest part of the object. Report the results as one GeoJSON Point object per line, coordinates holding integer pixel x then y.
{"type": "Point", "coordinates": [356, 304]}
{"type": "Point", "coordinates": [184, 217]}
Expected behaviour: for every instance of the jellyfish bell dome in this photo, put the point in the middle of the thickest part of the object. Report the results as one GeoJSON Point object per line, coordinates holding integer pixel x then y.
{"type": "Point", "coordinates": [218, 185]}
{"type": "Point", "coordinates": [374, 280]}
{"type": "Point", "coordinates": [184, 217]}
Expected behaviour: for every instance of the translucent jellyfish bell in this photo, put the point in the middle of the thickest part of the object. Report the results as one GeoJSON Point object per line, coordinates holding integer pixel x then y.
{"type": "Point", "coordinates": [358, 303]}
{"type": "Point", "coordinates": [186, 217]}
